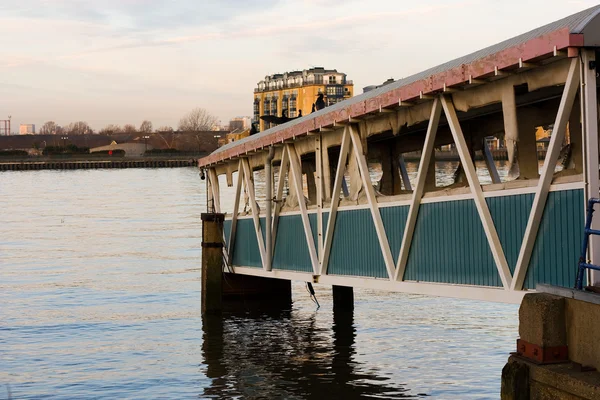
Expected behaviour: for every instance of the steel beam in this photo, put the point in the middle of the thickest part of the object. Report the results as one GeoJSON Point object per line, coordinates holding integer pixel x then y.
{"type": "Point", "coordinates": [541, 194]}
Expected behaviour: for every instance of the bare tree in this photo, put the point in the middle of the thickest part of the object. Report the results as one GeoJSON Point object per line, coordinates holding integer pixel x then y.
{"type": "Point", "coordinates": [197, 120]}
{"type": "Point", "coordinates": [111, 129]}
{"type": "Point", "coordinates": [164, 129]}
{"type": "Point", "coordinates": [129, 128]}
{"type": "Point", "coordinates": [50, 128]}
{"type": "Point", "coordinates": [78, 128]}
{"type": "Point", "coordinates": [146, 127]}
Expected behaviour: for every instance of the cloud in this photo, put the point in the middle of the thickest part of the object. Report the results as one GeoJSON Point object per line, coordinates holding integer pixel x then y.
{"type": "Point", "coordinates": [137, 15]}
{"type": "Point", "coordinates": [270, 30]}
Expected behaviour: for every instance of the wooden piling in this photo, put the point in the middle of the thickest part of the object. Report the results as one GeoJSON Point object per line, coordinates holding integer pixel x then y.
{"type": "Point", "coordinates": [212, 263]}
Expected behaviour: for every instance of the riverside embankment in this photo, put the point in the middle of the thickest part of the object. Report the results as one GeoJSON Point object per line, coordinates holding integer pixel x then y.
{"type": "Point", "coordinates": [43, 163]}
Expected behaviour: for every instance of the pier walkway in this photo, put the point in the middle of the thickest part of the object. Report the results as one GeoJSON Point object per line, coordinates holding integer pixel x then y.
{"type": "Point", "coordinates": [325, 221]}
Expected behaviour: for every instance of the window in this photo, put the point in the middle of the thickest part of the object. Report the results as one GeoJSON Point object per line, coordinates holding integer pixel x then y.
{"type": "Point", "coordinates": [330, 90]}
{"type": "Point", "coordinates": [332, 80]}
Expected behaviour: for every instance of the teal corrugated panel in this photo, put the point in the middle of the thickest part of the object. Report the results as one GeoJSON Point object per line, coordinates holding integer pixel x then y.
{"type": "Point", "coordinates": [510, 215]}
{"type": "Point", "coordinates": [394, 222]}
{"type": "Point", "coordinates": [291, 249]}
{"type": "Point", "coordinates": [246, 251]}
{"type": "Point", "coordinates": [355, 250]}
{"type": "Point", "coordinates": [558, 243]}
{"type": "Point", "coordinates": [449, 246]}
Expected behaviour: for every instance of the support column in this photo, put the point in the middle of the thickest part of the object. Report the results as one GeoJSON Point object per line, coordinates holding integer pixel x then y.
{"type": "Point", "coordinates": [212, 262]}
{"type": "Point", "coordinates": [343, 298]}
{"type": "Point", "coordinates": [390, 183]}
{"type": "Point", "coordinates": [526, 148]}
{"type": "Point", "coordinates": [575, 138]}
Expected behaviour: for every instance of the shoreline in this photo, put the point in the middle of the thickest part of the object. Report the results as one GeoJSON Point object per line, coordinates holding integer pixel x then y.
{"type": "Point", "coordinates": [104, 163]}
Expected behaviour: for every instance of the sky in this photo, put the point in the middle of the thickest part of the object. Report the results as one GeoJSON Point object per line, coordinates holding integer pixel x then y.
{"type": "Point", "coordinates": [124, 61]}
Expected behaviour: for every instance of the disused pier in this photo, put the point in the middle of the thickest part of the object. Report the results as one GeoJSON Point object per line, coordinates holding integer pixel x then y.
{"type": "Point", "coordinates": [325, 220]}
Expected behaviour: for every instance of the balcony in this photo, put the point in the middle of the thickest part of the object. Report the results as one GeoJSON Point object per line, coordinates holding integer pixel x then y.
{"type": "Point", "coordinates": [316, 81]}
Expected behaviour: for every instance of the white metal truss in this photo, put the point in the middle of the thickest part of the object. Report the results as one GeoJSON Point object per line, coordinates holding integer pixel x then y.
{"type": "Point", "coordinates": [319, 183]}
{"type": "Point", "coordinates": [335, 200]}
{"type": "Point", "coordinates": [480, 203]}
{"type": "Point", "coordinates": [541, 194]}
{"type": "Point", "coordinates": [413, 212]}
{"type": "Point", "coordinates": [296, 173]}
{"type": "Point", "coordinates": [255, 213]}
{"type": "Point", "coordinates": [283, 170]}
{"type": "Point", "coordinates": [372, 201]}
{"type": "Point", "coordinates": [214, 184]}
{"type": "Point", "coordinates": [234, 218]}
{"type": "Point", "coordinates": [424, 288]}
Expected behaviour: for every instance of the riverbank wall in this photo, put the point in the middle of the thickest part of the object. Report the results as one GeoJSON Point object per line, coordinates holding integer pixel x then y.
{"type": "Point", "coordinates": [558, 351]}
{"type": "Point", "coordinates": [96, 164]}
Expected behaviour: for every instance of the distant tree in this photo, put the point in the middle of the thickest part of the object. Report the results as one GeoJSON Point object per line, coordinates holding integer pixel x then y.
{"type": "Point", "coordinates": [197, 120]}
{"type": "Point", "coordinates": [78, 128]}
{"type": "Point", "coordinates": [129, 128]}
{"type": "Point", "coordinates": [50, 128]}
{"type": "Point", "coordinates": [164, 129]}
{"type": "Point", "coordinates": [146, 127]}
{"type": "Point", "coordinates": [111, 129]}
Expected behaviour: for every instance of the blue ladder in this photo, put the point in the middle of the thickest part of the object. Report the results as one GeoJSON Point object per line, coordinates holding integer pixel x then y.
{"type": "Point", "coordinates": [586, 241]}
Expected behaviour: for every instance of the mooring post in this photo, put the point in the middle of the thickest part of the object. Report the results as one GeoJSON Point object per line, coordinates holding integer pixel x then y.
{"type": "Point", "coordinates": [343, 298]}
{"type": "Point", "coordinates": [212, 262]}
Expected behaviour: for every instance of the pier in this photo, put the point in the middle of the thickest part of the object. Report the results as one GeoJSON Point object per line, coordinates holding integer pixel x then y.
{"type": "Point", "coordinates": [324, 221]}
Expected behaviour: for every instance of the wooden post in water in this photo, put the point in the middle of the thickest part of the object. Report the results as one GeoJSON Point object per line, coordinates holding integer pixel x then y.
{"type": "Point", "coordinates": [212, 262]}
{"type": "Point", "coordinates": [343, 298]}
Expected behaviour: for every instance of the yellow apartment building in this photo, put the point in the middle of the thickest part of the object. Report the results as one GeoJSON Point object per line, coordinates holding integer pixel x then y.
{"type": "Point", "coordinates": [297, 91]}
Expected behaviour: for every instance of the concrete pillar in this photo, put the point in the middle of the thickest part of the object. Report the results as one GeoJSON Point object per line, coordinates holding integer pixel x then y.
{"type": "Point", "coordinates": [390, 183]}
{"type": "Point", "coordinates": [542, 320]}
{"type": "Point", "coordinates": [515, 381]}
{"type": "Point", "coordinates": [527, 148]}
{"type": "Point", "coordinates": [343, 298]}
{"type": "Point", "coordinates": [576, 138]}
{"type": "Point", "coordinates": [212, 262]}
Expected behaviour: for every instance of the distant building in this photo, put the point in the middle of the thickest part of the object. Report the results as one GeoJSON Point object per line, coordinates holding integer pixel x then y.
{"type": "Point", "coordinates": [297, 91]}
{"type": "Point", "coordinates": [27, 129]}
{"type": "Point", "coordinates": [239, 124]}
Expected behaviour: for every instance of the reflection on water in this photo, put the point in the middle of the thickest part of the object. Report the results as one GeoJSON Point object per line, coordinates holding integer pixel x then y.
{"type": "Point", "coordinates": [295, 357]}
{"type": "Point", "coordinates": [99, 298]}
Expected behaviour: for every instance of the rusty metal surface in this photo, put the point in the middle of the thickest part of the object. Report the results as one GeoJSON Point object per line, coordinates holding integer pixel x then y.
{"type": "Point", "coordinates": [542, 355]}
{"type": "Point", "coordinates": [536, 44]}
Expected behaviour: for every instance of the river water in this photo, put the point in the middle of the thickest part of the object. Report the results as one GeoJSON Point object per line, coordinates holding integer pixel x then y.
{"type": "Point", "coordinates": [100, 298]}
